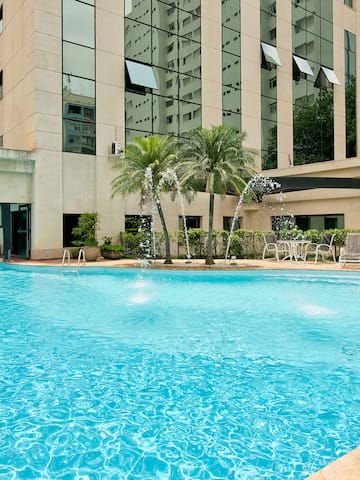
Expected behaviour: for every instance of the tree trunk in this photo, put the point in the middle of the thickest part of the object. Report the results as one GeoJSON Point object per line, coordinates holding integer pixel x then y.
{"type": "Point", "coordinates": [209, 255]}
{"type": "Point", "coordinates": [168, 259]}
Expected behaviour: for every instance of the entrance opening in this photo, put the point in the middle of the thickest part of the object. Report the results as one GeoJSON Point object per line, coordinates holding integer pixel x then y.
{"type": "Point", "coordinates": [15, 223]}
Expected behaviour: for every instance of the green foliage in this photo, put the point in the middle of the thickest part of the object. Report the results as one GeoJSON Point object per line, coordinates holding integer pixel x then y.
{"type": "Point", "coordinates": [155, 153]}
{"type": "Point", "coordinates": [111, 248]}
{"type": "Point", "coordinates": [244, 243]}
{"type": "Point", "coordinates": [85, 232]}
{"type": "Point", "coordinates": [214, 160]}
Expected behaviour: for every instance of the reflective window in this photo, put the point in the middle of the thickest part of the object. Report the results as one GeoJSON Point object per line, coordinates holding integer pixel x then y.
{"type": "Point", "coordinates": [167, 37]}
{"type": "Point", "coordinates": [313, 111]}
{"type": "Point", "coordinates": [231, 64]}
{"type": "Point", "coordinates": [78, 23]}
{"type": "Point", "coordinates": [79, 111]}
{"type": "Point", "coordinates": [1, 18]}
{"type": "Point", "coordinates": [270, 62]}
{"type": "Point", "coordinates": [140, 75]}
{"type": "Point", "coordinates": [350, 94]}
{"type": "Point", "coordinates": [78, 60]}
{"type": "Point", "coordinates": [79, 115]}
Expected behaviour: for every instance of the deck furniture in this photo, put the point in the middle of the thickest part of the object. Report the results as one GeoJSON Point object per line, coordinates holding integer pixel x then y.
{"type": "Point", "coordinates": [325, 248]}
{"type": "Point", "coordinates": [351, 252]}
{"type": "Point", "coordinates": [272, 246]}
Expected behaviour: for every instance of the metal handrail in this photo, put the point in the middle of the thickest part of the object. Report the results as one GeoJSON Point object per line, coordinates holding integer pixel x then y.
{"type": "Point", "coordinates": [66, 262]}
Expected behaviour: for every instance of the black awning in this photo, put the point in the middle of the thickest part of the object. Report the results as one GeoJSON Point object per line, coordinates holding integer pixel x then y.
{"type": "Point", "coordinates": [292, 184]}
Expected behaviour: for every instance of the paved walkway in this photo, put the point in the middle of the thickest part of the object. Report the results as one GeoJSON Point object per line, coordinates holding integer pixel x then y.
{"type": "Point", "coordinates": [196, 264]}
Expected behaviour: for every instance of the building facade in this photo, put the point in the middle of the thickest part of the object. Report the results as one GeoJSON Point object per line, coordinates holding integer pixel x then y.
{"type": "Point", "coordinates": [81, 78]}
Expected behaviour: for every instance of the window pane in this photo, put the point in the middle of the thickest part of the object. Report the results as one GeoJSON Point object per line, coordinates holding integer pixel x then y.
{"type": "Point", "coordinates": [190, 59]}
{"type": "Point", "coordinates": [79, 137]}
{"type": "Point", "coordinates": [188, 24]}
{"type": "Point", "coordinates": [78, 23]}
{"type": "Point", "coordinates": [138, 11]}
{"type": "Point", "coordinates": [78, 60]}
{"type": "Point", "coordinates": [141, 74]}
{"type": "Point", "coordinates": [161, 19]}
{"type": "Point", "coordinates": [190, 88]}
{"type": "Point", "coordinates": [138, 41]}
{"type": "Point", "coordinates": [164, 49]}
{"type": "Point", "coordinates": [231, 15]}
{"type": "Point", "coordinates": [138, 112]}
{"type": "Point", "coordinates": [231, 41]}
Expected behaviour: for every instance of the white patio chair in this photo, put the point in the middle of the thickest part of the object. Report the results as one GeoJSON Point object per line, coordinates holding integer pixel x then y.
{"type": "Point", "coordinates": [272, 246]}
{"type": "Point", "coordinates": [351, 252]}
{"type": "Point", "coordinates": [325, 248]}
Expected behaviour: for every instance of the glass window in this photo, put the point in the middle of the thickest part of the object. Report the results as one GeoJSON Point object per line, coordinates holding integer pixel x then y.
{"type": "Point", "coordinates": [188, 24]}
{"type": "Point", "coordinates": [78, 23]}
{"type": "Point", "coordinates": [1, 18]}
{"type": "Point", "coordinates": [190, 88]}
{"type": "Point", "coordinates": [303, 65]}
{"type": "Point", "coordinates": [78, 60]}
{"type": "Point", "coordinates": [79, 115]}
{"type": "Point", "coordinates": [152, 38]}
{"type": "Point", "coordinates": [270, 54]}
{"type": "Point", "coordinates": [191, 222]}
{"type": "Point", "coordinates": [190, 59]}
{"type": "Point", "coordinates": [164, 48]}
{"type": "Point", "coordinates": [231, 120]}
{"type": "Point", "coordinates": [140, 11]}
{"type": "Point", "coordinates": [1, 84]}
{"type": "Point", "coordinates": [350, 94]}
{"type": "Point", "coordinates": [231, 15]}
{"type": "Point", "coordinates": [231, 41]}
{"type": "Point", "coordinates": [141, 75]}
{"type": "Point", "coordinates": [138, 41]}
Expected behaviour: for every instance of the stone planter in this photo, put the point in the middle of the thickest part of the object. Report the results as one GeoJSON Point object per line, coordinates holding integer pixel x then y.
{"type": "Point", "coordinates": [91, 253]}
{"type": "Point", "coordinates": [112, 254]}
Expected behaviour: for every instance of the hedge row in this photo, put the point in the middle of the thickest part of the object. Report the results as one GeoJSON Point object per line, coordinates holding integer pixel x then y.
{"type": "Point", "coordinates": [244, 243]}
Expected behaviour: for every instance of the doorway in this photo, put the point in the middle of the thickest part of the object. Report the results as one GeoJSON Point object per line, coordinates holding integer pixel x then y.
{"type": "Point", "coordinates": [20, 230]}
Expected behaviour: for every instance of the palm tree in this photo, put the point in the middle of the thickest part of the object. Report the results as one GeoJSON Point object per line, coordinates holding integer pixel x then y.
{"type": "Point", "coordinates": [214, 160]}
{"type": "Point", "coordinates": [144, 154]}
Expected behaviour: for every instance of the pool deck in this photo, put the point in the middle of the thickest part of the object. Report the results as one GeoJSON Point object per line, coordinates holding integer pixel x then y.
{"type": "Point", "coordinates": [199, 264]}
{"type": "Point", "coordinates": [346, 467]}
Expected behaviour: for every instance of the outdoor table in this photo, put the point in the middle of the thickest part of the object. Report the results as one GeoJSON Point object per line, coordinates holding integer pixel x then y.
{"type": "Point", "coordinates": [296, 249]}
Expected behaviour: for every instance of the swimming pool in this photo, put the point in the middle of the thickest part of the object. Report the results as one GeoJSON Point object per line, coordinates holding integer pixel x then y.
{"type": "Point", "coordinates": [139, 374]}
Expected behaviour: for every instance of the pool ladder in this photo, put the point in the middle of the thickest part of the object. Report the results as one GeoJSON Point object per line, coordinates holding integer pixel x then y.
{"type": "Point", "coordinates": [66, 262]}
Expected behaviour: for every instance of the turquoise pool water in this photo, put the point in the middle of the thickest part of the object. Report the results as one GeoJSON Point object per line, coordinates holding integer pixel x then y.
{"type": "Point", "coordinates": [128, 374]}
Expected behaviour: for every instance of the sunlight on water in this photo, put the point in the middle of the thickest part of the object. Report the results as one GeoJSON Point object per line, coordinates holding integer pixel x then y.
{"type": "Point", "coordinates": [318, 310]}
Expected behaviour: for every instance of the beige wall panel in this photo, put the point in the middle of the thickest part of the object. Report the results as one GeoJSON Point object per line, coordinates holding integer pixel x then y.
{"type": "Point", "coordinates": [109, 39]}
{"type": "Point", "coordinates": [79, 183]}
{"type": "Point", "coordinates": [48, 123]}
{"type": "Point", "coordinates": [15, 188]}
{"type": "Point", "coordinates": [48, 141]}
{"type": "Point", "coordinates": [110, 69]}
{"type": "Point", "coordinates": [47, 201]}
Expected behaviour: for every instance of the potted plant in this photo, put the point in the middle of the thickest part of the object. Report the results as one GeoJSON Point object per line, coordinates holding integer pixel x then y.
{"type": "Point", "coordinates": [108, 250]}
{"type": "Point", "coordinates": [85, 235]}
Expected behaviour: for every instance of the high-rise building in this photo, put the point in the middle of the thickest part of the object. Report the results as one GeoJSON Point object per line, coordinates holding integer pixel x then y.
{"type": "Point", "coordinates": [81, 78]}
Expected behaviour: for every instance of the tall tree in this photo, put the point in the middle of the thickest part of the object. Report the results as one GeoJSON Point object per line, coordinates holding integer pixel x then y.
{"type": "Point", "coordinates": [144, 154]}
{"type": "Point", "coordinates": [214, 160]}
